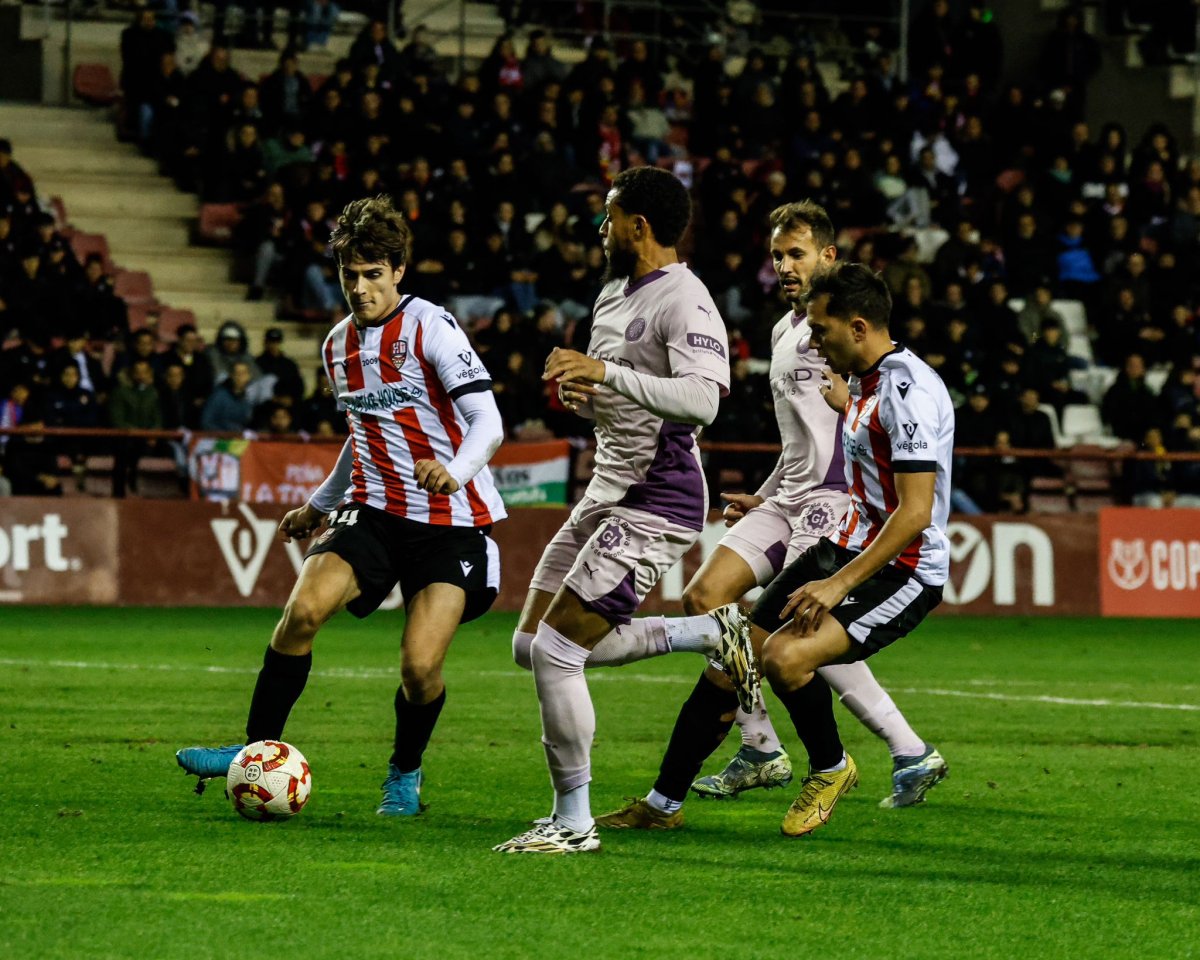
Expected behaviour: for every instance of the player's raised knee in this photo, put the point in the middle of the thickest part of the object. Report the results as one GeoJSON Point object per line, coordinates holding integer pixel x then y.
{"type": "Point", "coordinates": [422, 678]}
{"type": "Point", "coordinates": [699, 598]}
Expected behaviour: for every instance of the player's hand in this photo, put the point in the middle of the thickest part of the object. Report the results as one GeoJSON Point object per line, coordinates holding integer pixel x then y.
{"type": "Point", "coordinates": [573, 365]}
{"type": "Point", "coordinates": [299, 524]}
{"type": "Point", "coordinates": [835, 391]}
{"type": "Point", "coordinates": [738, 505]}
{"type": "Point", "coordinates": [575, 393]}
{"type": "Point", "coordinates": [812, 601]}
{"type": "Point", "coordinates": [434, 477]}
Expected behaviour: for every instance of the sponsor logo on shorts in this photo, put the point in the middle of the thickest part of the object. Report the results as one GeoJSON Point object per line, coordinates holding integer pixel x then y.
{"type": "Point", "coordinates": [613, 539]}
{"type": "Point", "coordinates": [635, 330]}
{"type": "Point", "coordinates": [703, 341]}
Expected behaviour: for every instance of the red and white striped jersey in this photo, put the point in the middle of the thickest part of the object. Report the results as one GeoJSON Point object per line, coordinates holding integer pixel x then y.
{"type": "Point", "coordinates": [397, 382]}
{"type": "Point", "coordinates": [899, 419]}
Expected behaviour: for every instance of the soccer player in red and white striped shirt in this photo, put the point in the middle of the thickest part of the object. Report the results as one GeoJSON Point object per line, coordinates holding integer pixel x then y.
{"type": "Point", "coordinates": [884, 570]}
{"type": "Point", "coordinates": [411, 500]}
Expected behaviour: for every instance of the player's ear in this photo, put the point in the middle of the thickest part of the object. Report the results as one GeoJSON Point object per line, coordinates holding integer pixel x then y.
{"type": "Point", "coordinates": [398, 273]}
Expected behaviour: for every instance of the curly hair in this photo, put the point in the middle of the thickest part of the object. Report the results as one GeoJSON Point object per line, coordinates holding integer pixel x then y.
{"type": "Point", "coordinates": [658, 196]}
{"type": "Point", "coordinates": [805, 213]}
{"type": "Point", "coordinates": [372, 230]}
{"type": "Point", "coordinates": [854, 290]}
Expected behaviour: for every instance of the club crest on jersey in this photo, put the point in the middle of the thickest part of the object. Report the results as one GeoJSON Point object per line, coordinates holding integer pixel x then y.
{"type": "Point", "coordinates": [805, 344]}
{"type": "Point", "coordinates": [399, 353]}
{"type": "Point", "coordinates": [635, 330]}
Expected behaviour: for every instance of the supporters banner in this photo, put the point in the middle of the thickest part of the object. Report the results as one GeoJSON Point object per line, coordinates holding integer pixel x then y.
{"type": "Point", "coordinates": [1149, 562]}
{"type": "Point", "coordinates": [215, 468]}
{"type": "Point", "coordinates": [532, 474]}
{"type": "Point", "coordinates": [286, 473]}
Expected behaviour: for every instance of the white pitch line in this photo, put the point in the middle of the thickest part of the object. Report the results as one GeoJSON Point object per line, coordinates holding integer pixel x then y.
{"type": "Point", "coordinates": [593, 675]}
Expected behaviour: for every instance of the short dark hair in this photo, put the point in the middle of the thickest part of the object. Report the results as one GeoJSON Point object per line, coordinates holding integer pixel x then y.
{"type": "Point", "coordinates": [854, 290]}
{"type": "Point", "coordinates": [805, 213]}
{"type": "Point", "coordinates": [660, 197]}
{"type": "Point", "coordinates": [372, 230]}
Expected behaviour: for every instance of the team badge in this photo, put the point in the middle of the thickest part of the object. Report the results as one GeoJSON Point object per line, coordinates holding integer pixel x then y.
{"type": "Point", "coordinates": [612, 539]}
{"type": "Point", "coordinates": [399, 352]}
{"type": "Point", "coordinates": [818, 518]}
{"type": "Point", "coordinates": [636, 328]}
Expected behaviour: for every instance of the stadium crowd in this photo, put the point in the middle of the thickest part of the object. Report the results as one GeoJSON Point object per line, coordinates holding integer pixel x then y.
{"type": "Point", "coordinates": [502, 173]}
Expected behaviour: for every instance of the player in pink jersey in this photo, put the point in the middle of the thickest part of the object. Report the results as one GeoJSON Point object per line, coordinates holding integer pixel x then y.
{"type": "Point", "coordinates": [411, 500]}
{"type": "Point", "coordinates": [802, 500]}
{"type": "Point", "coordinates": [657, 364]}
{"type": "Point", "coordinates": [848, 598]}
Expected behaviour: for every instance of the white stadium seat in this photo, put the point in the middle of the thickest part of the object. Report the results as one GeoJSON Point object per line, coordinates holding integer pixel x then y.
{"type": "Point", "coordinates": [1078, 345]}
{"type": "Point", "coordinates": [1073, 315]}
{"type": "Point", "coordinates": [1050, 412]}
{"type": "Point", "coordinates": [1080, 420]}
{"type": "Point", "coordinates": [1156, 378]}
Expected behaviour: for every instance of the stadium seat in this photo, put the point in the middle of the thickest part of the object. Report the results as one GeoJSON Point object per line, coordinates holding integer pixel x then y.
{"type": "Point", "coordinates": [94, 83]}
{"type": "Point", "coordinates": [83, 244]}
{"type": "Point", "coordinates": [1156, 378]}
{"type": "Point", "coordinates": [1102, 379]}
{"type": "Point", "coordinates": [1052, 415]}
{"type": "Point", "coordinates": [218, 221]}
{"type": "Point", "coordinates": [1078, 345]}
{"type": "Point", "coordinates": [1080, 421]}
{"type": "Point", "coordinates": [134, 287]}
{"type": "Point", "coordinates": [1073, 315]}
{"type": "Point", "coordinates": [170, 320]}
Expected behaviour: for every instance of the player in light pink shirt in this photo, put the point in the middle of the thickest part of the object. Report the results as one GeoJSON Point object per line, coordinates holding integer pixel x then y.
{"type": "Point", "coordinates": [657, 364]}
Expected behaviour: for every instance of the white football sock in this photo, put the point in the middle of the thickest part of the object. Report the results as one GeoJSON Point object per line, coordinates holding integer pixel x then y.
{"type": "Point", "coordinates": [662, 804]}
{"type": "Point", "coordinates": [573, 809]}
{"type": "Point", "coordinates": [568, 721]}
{"type": "Point", "coordinates": [858, 689]}
{"type": "Point", "coordinates": [757, 731]}
{"type": "Point", "coordinates": [840, 765]}
{"type": "Point", "coordinates": [639, 639]}
{"type": "Point", "coordinates": [700, 634]}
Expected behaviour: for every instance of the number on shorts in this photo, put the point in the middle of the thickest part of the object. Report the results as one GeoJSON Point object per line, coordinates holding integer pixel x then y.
{"type": "Point", "coordinates": [348, 517]}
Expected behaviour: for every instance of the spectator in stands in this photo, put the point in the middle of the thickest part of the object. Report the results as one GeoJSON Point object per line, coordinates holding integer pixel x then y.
{"type": "Point", "coordinates": [134, 405]}
{"type": "Point", "coordinates": [190, 45]}
{"type": "Point", "coordinates": [31, 460]}
{"type": "Point", "coordinates": [142, 47]}
{"type": "Point", "coordinates": [28, 362]}
{"type": "Point", "coordinates": [374, 47]}
{"type": "Point", "coordinates": [1048, 367]}
{"type": "Point", "coordinates": [88, 364]}
{"type": "Point", "coordinates": [320, 18]}
{"type": "Point", "coordinates": [1149, 483]}
{"type": "Point", "coordinates": [267, 232]}
{"type": "Point", "coordinates": [231, 350]}
{"type": "Point", "coordinates": [68, 404]}
{"type": "Point", "coordinates": [318, 414]}
{"type": "Point", "coordinates": [976, 425]}
{"type": "Point", "coordinates": [187, 352]}
{"type": "Point", "coordinates": [230, 408]}
{"type": "Point", "coordinates": [286, 93]}
{"type": "Point", "coordinates": [243, 174]}
{"type": "Point", "coordinates": [1129, 407]}
{"type": "Point", "coordinates": [274, 363]}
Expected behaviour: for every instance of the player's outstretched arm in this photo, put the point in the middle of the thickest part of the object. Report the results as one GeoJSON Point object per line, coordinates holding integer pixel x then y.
{"type": "Point", "coordinates": [485, 433]}
{"type": "Point", "coordinates": [300, 523]}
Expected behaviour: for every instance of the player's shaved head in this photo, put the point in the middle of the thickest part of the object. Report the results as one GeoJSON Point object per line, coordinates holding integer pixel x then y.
{"type": "Point", "coordinates": [371, 230]}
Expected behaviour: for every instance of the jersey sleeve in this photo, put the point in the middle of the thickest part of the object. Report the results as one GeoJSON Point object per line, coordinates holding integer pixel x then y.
{"type": "Point", "coordinates": [327, 364]}
{"type": "Point", "coordinates": [448, 350]}
{"type": "Point", "coordinates": [694, 335]}
{"type": "Point", "coordinates": [909, 414]}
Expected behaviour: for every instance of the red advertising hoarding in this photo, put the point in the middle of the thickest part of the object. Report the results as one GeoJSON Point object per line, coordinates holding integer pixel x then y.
{"type": "Point", "coordinates": [1149, 563]}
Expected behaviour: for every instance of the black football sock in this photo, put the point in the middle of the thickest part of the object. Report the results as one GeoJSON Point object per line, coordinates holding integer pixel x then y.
{"type": "Point", "coordinates": [280, 683]}
{"type": "Point", "coordinates": [811, 709]}
{"type": "Point", "coordinates": [414, 727]}
{"type": "Point", "coordinates": [704, 720]}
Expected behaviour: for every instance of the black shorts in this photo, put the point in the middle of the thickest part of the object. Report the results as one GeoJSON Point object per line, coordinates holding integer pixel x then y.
{"type": "Point", "coordinates": [875, 613]}
{"type": "Point", "coordinates": [384, 550]}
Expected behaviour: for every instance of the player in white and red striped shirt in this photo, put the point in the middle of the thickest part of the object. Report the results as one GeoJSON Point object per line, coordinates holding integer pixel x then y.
{"type": "Point", "coordinates": [411, 500]}
{"type": "Point", "coordinates": [885, 568]}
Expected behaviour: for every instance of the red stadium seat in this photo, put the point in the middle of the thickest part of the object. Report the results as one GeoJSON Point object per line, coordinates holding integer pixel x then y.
{"type": "Point", "coordinates": [134, 287]}
{"type": "Point", "coordinates": [94, 83]}
{"type": "Point", "coordinates": [171, 320]}
{"type": "Point", "coordinates": [217, 222]}
{"type": "Point", "coordinates": [83, 244]}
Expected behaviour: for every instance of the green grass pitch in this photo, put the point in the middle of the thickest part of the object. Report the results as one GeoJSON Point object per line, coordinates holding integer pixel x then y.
{"type": "Point", "coordinates": [1068, 827]}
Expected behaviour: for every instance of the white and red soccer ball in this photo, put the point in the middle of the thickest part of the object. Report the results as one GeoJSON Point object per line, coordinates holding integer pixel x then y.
{"type": "Point", "coordinates": [268, 780]}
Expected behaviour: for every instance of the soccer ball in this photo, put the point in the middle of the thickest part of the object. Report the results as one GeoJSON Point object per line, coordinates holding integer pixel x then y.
{"type": "Point", "coordinates": [268, 780]}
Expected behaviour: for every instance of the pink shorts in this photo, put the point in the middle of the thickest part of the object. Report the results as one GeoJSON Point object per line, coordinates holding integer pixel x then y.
{"type": "Point", "coordinates": [772, 535]}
